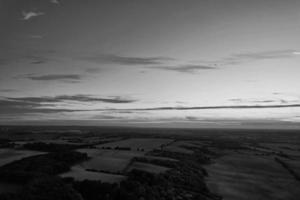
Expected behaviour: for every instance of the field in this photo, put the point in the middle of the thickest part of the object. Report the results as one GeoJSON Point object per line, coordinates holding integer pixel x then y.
{"type": "Point", "coordinates": [184, 164]}
{"type": "Point", "coordinates": [178, 146]}
{"type": "Point", "coordinates": [254, 174]}
{"type": "Point", "coordinates": [107, 162]}
{"type": "Point", "coordinates": [148, 167]}
{"type": "Point", "coordinates": [78, 173]}
{"type": "Point", "coordinates": [144, 144]}
{"type": "Point", "coordinates": [10, 155]}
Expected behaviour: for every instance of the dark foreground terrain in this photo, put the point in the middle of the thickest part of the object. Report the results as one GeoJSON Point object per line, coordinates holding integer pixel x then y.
{"type": "Point", "coordinates": [75, 163]}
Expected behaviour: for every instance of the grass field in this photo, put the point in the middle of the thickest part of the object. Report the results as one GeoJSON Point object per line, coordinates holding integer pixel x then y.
{"type": "Point", "coordinates": [116, 161]}
{"type": "Point", "coordinates": [108, 160]}
{"type": "Point", "coordinates": [178, 146]}
{"type": "Point", "coordinates": [247, 177]}
{"type": "Point", "coordinates": [148, 167]}
{"type": "Point", "coordinates": [10, 155]}
{"type": "Point", "coordinates": [79, 173]}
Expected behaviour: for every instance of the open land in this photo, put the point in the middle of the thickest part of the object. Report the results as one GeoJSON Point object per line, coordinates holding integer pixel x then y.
{"type": "Point", "coordinates": [110, 163]}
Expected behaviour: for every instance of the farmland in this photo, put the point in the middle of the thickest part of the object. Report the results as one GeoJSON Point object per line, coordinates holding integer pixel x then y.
{"type": "Point", "coordinates": [254, 173]}
{"type": "Point", "coordinates": [10, 155]}
{"type": "Point", "coordinates": [194, 165]}
{"type": "Point", "coordinates": [111, 160]}
{"type": "Point", "coordinates": [80, 174]}
{"type": "Point", "coordinates": [143, 144]}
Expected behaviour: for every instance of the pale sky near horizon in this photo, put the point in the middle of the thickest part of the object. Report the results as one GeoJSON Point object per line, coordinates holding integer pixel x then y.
{"type": "Point", "coordinates": [193, 62]}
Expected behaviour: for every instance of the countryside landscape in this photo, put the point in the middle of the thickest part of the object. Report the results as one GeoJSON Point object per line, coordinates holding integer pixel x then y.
{"type": "Point", "coordinates": [138, 163]}
{"type": "Point", "coordinates": [149, 100]}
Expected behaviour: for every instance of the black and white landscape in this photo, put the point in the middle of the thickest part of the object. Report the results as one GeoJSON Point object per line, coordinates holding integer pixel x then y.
{"type": "Point", "coordinates": [149, 99]}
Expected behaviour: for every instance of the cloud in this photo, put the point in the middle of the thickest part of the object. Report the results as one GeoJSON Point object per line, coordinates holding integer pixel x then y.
{"type": "Point", "coordinates": [125, 60]}
{"type": "Point", "coordinates": [253, 101]}
{"type": "Point", "coordinates": [265, 55]}
{"type": "Point", "coordinates": [36, 59]}
{"type": "Point", "coordinates": [89, 98]}
{"type": "Point", "coordinates": [265, 101]}
{"type": "Point", "coordinates": [8, 90]}
{"type": "Point", "coordinates": [240, 58]}
{"type": "Point", "coordinates": [107, 117]}
{"type": "Point", "coordinates": [38, 62]}
{"type": "Point", "coordinates": [8, 106]}
{"type": "Point", "coordinates": [55, 1]}
{"type": "Point", "coordinates": [191, 118]}
{"type": "Point", "coordinates": [68, 78]}
{"type": "Point", "coordinates": [12, 57]}
{"type": "Point", "coordinates": [185, 68]}
{"type": "Point", "coordinates": [31, 14]}
{"type": "Point", "coordinates": [92, 70]}
{"type": "Point", "coordinates": [77, 98]}
{"type": "Point", "coordinates": [20, 107]}
{"type": "Point", "coordinates": [159, 62]}
{"type": "Point", "coordinates": [211, 107]}
{"type": "Point", "coordinates": [48, 104]}
{"type": "Point", "coordinates": [36, 37]}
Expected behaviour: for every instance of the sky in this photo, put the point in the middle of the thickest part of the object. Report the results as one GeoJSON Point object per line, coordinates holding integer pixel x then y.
{"type": "Point", "coordinates": [173, 63]}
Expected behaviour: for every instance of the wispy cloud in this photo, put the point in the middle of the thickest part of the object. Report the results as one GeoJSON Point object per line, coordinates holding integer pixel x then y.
{"type": "Point", "coordinates": [37, 59]}
{"type": "Point", "coordinates": [77, 97]}
{"type": "Point", "coordinates": [48, 104]}
{"type": "Point", "coordinates": [254, 56]}
{"type": "Point", "coordinates": [211, 107]}
{"type": "Point", "coordinates": [8, 90]}
{"type": "Point", "coordinates": [68, 78]}
{"type": "Point", "coordinates": [31, 57]}
{"type": "Point", "coordinates": [237, 100]}
{"type": "Point", "coordinates": [107, 117]}
{"type": "Point", "coordinates": [125, 60]}
{"type": "Point", "coordinates": [55, 1]}
{"type": "Point", "coordinates": [92, 70]}
{"type": "Point", "coordinates": [191, 118]}
{"type": "Point", "coordinates": [185, 68]}
{"type": "Point", "coordinates": [38, 62]}
{"type": "Point", "coordinates": [31, 14]}
{"type": "Point", "coordinates": [265, 55]}
{"type": "Point", "coordinates": [36, 36]}
{"type": "Point", "coordinates": [264, 101]}
{"type": "Point", "coordinates": [23, 107]}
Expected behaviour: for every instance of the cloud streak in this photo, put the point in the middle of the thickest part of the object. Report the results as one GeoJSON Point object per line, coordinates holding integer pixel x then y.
{"type": "Point", "coordinates": [76, 98]}
{"type": "Point", "coordinates": [46, 104]}
{"type": "Point", "coordinates": [55, 2]}
{"type": "Point", "coordinates": [67, 78]}
{"type": "Point", "coordinates": [125, 60]}
{"type": "Point", "coordinates": [31, 14]}
{"type": "Point", "coordinates": [8, 90]}
{"type": "Point", "coordinates": [240, 58]}
{"type": "Point", "coordinates": [22, 108]}
{"type": "Point", "coordinates": [185, 68]}
{"type": "Point", "coordinates": [212, 107]}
